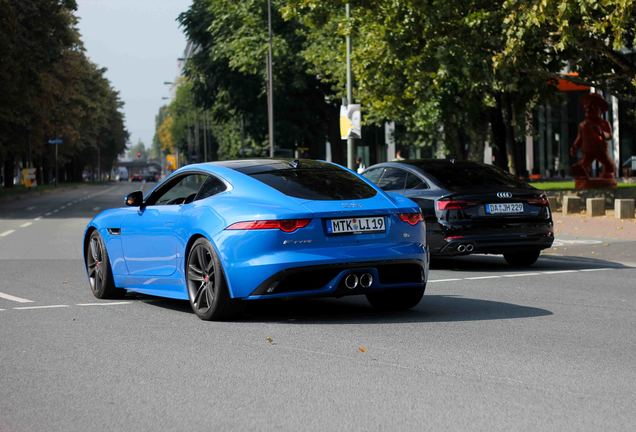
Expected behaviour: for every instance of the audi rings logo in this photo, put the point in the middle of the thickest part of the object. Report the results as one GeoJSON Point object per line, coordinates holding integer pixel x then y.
{"type": "Point", "coordinates": [504, 194]}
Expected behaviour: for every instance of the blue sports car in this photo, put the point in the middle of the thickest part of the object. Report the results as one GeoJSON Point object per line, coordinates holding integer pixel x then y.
{"type": "Point", "coordinates": [220, 233]}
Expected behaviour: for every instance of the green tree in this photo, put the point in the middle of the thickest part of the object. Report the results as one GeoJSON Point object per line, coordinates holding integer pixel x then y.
{"type": "Point", "coordinates": [227, 78]}
{"type": "Point", "coordinates": [594, 38]}
{"type": "Point", "coordinates": [50, 89]}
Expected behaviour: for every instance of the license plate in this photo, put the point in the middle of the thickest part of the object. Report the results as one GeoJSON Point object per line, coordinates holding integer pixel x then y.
{"type": "Point", "coordinates": [504, 208]}
{"type": "Point", "coordinates": [356, 225]}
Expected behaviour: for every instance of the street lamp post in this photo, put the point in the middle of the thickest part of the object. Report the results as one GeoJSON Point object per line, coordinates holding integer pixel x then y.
{"type": "Point", "coordinates": [350, 143]}
{"type": "Point", "coordinates": [270, 82]}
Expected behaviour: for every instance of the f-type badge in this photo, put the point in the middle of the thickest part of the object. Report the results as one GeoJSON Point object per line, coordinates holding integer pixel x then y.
{"type": "Point", "coordinates": [351, 205]}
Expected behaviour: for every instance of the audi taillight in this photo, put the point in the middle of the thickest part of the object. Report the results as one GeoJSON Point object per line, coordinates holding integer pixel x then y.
{"type": "Point", "coordinates": [453, 204]}
{"type": "Point", "coordinates": [540, 201]}
{"type": "Point", "coordinates": [286, 225]}
{"type": "Point", "coordinates": [411, 218]}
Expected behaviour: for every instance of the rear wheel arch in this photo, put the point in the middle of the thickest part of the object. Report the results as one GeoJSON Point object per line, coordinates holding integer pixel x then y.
{"type": "Point", "coordinates": [193, 238]}
{"type": "Point", "coordinates": [87, 238]}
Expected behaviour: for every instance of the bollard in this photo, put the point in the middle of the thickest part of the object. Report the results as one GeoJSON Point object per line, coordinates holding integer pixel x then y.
{"type": "Point", "coordinates": [595, 207]}
{"type": "Point", "coordinates": [624, 208]}
{"type": "Point", "coordinates": [571, 205]}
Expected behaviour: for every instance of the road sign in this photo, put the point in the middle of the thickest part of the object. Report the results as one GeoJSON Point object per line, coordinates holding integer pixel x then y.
{"type": "Point", "coordinates": [56, 141]}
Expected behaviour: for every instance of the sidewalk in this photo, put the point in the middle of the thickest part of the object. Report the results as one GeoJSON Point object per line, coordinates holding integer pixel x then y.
{"type": "Point", "coordinates": [600, 227]}
{"type": "Point", "coordinates": [603, 240]}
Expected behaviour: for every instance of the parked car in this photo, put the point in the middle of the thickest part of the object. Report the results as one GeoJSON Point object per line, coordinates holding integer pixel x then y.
{"type": "Point", "coordinates": [470, 207]}
{"type": "Point", "coordinates": [219, 233]}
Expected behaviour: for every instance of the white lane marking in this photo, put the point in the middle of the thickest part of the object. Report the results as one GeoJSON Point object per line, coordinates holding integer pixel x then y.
{"type": "Point", "coordinates": [103, 304]}
{"type": "Point", "coordinates": [96, 208]}
{"type": "Point", "coordinates": [511, 275]}
{"type": "Point", "coordinates": [40, 307]}
{"type": "Point", "coordinates": [6, 233]}
{"type": "Point", "coordinates": [560, 242]}
{"type": "Point", "coordinates": [1, 310]}
{"type": "Point", "coordinates": [559, 271]}
{"type": "Point", "coordinates": [26, 224]}
{"type": "Point", "coordinates": [30, 208]}
{"type": "Point", "coordinates": [521, 274]}
{"type": "Point", "coordinates": [14, 298]}
{"type": "Point", "coordinates": [482, 277]}
{"type": "Point", "coordinates": [37, 218]}
{"type": "Point", "coordinates": [63, 207]}
{"type": "Point", "coordinates": [47, 214]}
{"type": "Point", "coordinates": [55, 211]}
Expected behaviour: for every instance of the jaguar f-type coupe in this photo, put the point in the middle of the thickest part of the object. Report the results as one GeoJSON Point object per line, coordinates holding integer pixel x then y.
{"type": "Point", "coordinates": [219, 234]}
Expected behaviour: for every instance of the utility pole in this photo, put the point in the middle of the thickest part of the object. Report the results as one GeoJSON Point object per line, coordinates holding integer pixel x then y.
{"type": "Point", "coordinates": [205, 136]}
{"type": "Point", "coordinates": [350, 143]}
{"type": "Point", "coordinates": [270, 82]}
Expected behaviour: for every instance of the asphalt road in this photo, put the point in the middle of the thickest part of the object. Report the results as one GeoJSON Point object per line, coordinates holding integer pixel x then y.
{"type": "Point", "coordinates": [490, 347]}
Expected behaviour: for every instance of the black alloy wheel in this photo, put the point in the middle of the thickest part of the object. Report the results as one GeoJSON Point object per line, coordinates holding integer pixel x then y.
{"type": "Point", "coordinates": [207, 289]}
{"type": "Point", "coordinates": [100, 275]}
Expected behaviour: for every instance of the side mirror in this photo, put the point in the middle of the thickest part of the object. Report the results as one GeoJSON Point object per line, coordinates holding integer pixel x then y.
{"type": "Point", "coordinates": [135, 199]}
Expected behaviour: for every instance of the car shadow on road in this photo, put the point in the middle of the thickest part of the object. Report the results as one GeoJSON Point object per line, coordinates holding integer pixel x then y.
{"type": "Point", "coordinates": [496, 264]}
{"type": "Point", "coordinates": [355, 310]}
{"type": "Point", "coordinates": [432, 308]}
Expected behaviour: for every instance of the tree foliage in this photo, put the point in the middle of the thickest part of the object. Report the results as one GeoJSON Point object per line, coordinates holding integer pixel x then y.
{"type": "Point", "coordinates": [594, 38]}
{"type": "Point", "coordinates": [50, 89]}
{"type": "Point", "coordinates": [226, 77]}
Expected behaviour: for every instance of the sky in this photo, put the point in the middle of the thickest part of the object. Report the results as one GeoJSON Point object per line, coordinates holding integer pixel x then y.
{"type": "Point", "coordinates": [138, 41]}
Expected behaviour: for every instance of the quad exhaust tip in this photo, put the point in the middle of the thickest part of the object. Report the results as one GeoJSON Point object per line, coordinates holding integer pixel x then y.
{"type": "Point", "coordinates": [366, 280]}
{"type": "Point", "coordinates": [465, 248]}
{"type": "Point", "coordinates": [351, 281]}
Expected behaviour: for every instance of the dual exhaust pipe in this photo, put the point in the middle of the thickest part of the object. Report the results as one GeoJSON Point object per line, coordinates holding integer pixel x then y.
{"type": "Point", "coordinates": [465, 248]}
{"type": "Point", "coordinates": [365, 280]}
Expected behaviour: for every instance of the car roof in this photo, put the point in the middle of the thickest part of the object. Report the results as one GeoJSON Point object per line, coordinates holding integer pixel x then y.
{"type": "Point", "coordinates": [253, 166]}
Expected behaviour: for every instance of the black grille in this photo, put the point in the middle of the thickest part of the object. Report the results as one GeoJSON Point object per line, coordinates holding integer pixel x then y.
{"type": "Point", "coordinates": [308, 280]}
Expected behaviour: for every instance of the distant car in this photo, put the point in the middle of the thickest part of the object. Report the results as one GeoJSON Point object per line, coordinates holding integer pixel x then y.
{"type": "Point", "coordinates": [219, 233]}
{"type": "Point", "coordinates": [471, 207]}
{"type": "Point", "coordinates": [137, 177]}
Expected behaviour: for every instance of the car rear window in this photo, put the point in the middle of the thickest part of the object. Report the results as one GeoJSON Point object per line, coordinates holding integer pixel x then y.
{"type": "Point", "coordinates": [465, 175]}
{"type": "Point", "coordinates": [316, 183]}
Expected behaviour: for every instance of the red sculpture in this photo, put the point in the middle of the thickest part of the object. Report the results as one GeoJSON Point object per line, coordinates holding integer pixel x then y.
{"type": "Point", "coordinates": [592, 137]}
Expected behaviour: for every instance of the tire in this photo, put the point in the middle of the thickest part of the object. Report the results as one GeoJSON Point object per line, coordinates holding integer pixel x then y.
{"type": "Point", "coordinates": [522, 258]}
{"type": "Point", "coordinates": [207, 288]}
{"type": "Point", "coordinates": [396, 299]}
{"type": "Point", "coordinates": [100, 274]}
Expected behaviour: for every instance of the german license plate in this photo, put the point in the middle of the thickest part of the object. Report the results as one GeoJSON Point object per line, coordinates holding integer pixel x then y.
{"type": "Point", "coordinates": [504, 208]}
{"type": "Point", "coordinates": [356, 225]}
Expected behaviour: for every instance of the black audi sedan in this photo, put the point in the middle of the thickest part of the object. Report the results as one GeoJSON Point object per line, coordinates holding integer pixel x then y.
{"type": "Point", "coordinates": [471, 207]}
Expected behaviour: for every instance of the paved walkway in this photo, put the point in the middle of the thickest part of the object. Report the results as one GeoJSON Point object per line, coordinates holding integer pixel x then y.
{"type": "Point", "coordinates": [600, 227]}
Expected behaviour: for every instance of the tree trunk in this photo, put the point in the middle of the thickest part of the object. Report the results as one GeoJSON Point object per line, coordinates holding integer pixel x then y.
{"type": "Point", "coordinates": [9, 167]}
{"type": "Point", "coordinates": [498, 134]}
{"type": "Point", "coordinates": [508, 117]}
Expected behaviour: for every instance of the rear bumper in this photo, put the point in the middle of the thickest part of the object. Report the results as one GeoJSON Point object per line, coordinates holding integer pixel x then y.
{"type": "Point", "coordinates": [329, 280]}
{"type": "Point", "coordinates": [490, 241]}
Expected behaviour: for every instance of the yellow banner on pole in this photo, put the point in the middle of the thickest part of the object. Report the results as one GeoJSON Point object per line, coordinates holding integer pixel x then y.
{"type": "Point", "coordinates": [171, 162]}
{"type": "Point", "coordinates": [28, 177]}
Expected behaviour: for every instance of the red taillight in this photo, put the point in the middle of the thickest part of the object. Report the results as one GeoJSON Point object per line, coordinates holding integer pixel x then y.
{"type": "Point", "coordinates": [541, 201]}
{"type": "Point", "coordinates": [453, 204]}
{"type": "Point", "coordinates": [411, 218]}
{"type": "Point", "coordinates": [286, 225]}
